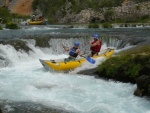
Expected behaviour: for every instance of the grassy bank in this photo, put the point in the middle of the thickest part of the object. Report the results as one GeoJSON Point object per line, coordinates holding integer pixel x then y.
{"type": "Point", "coordinates": [127, 65]}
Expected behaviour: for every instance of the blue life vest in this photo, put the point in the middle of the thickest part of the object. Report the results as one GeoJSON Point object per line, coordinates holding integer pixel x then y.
{"type": "Point", "coordinates": [73, 52]}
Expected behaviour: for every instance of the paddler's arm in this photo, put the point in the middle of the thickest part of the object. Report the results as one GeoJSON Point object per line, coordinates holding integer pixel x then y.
{"type": "Point", "coordinates": [79, 52]}
{"type": "Point", "coordinates": [66, 49]}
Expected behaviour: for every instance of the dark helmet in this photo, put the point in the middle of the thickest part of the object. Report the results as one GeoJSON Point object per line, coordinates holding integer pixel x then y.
{"type": "Point", "coordinates": [95, 36]}
{"type": "Point", "coordinates": [76, 43]}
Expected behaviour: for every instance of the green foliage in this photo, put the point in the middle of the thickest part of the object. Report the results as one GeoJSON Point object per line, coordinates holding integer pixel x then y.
{"type": "Point", "coordinates": [108, 14]}
{"type": "Point", "coordinates": [107, 25]}
{"type": "Point", "coordinates": [7, 16]}
{"type": "Point", "coordinates": [51, 8]}
{"type": "Point", "coordinates": [51, 20]}
{"type": "Point", "coordinates": [110, 3]}
{"type": "Point", "coordinates": [93, 25]}
{"type": "Point", "coordinates": [4, 12]}
{"type": "Point", "coordinates": [12, 26]}
{"type": "Point", "coordinates": [35, 4]}
{"type": "Point", "coordinates": [139, 19]}
{"type": "Point", "coordinates": [138, 1]}
{"type": "Point", "coordinates": [138, 7]}
{"type": "Point", "coordinates": [122, 67]}
{"type": "Point", "coordinates": [0, 27]}
{"type": "Point", "coordinates": [109, 71]}
{"type": "Point", "coordinates": [48, 7]}
{"type": "Point", "coordinates": [118, 21]}
{"type": "Point", "coordinates": [59, 8]}
{"type": "Point", "coordinates": [128, 66]}
{"type": "Point", "coordinates": [132, 70]}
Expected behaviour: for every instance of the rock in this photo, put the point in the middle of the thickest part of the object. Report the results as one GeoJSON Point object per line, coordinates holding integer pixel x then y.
{"type": "Point", "coordinates": [28, 107]}
{"type": "Point", "coordinates": [89, 72]}
{"type": "Point", "coordinates": [143, 83]}
{"type": "Point", "coordinates": [129, 12]}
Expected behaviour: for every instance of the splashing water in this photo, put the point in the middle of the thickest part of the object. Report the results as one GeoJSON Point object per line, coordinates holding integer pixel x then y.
{"type": "Point", "coordinates": [27, 81]}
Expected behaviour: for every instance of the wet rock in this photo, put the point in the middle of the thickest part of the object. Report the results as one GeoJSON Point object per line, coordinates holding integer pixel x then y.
{"type": "Point", "coordinates": [17, 44]}
{"type": "Point", "coordinates": [88, 72]}
{"type": "Point", "coordinates": [42, 42]}
{"type": "Point", "coordinates": [28, 107]}
{"type": "Point", "coordinates": [143, 83]}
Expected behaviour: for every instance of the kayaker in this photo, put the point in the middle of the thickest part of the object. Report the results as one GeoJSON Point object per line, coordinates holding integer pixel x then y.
{"type": "Point", "coordinates": [41, 18]}
{"type": "Point", "coordinates": [33, 18]}
{"type": "Point", "coordinates": [95, 46]}
{"type": "Point", "coordinates": [73, 52]}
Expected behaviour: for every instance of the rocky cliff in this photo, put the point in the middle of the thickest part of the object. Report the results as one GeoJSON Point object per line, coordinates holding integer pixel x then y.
{"type": "Point", "coordinates": [129, 11]}
{"type": "Point", "coordinates": [23, 7]}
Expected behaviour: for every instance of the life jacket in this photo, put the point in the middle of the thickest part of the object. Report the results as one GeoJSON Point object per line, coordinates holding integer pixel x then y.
{"type": "Point", "coordinates": [41, 19]}
{"type": "Point", "coordinates": [73, 52]}
{"type": "Point", "coordinates": [33, 19]}
{"type": "Point", "coordinates": [96, 48]}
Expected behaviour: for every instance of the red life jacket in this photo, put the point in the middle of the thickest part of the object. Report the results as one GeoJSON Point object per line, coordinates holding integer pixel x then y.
{"type": "Point", "coordinates": [96, 48]}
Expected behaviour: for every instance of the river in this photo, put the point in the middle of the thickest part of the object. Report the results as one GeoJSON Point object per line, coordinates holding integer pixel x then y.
{"type": "Point", "coordinates": [24, 82]}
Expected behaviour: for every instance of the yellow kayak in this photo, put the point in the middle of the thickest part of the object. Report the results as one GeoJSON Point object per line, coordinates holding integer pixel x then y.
{"type": "Point", "coordinates": [35, 22]}
{"type": "Point", "coordinates": [65, 66]}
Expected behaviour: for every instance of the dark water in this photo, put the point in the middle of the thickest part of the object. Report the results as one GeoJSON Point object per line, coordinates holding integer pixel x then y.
{"type": "Point", "coordinates": [133, 35]}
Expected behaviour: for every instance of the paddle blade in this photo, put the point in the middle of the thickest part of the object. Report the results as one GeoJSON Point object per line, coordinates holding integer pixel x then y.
{"type": "Point", "coordinates": [90, 60]}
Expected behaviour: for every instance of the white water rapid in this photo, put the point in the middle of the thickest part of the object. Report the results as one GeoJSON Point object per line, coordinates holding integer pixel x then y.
{"type": "Point", "coordinates": [27, 81]}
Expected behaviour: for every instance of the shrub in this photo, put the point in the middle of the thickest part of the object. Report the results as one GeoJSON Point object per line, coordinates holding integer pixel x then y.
{"type": "Point", "coordinates": [51, 8]}
{"type": "Point", "coordinates": [108, 15]}
{"type": "Point", "coordinates": [107, 25]}
{"type": "Point", "coordinates": [124, 68]}
{"type": "Point", "coordinates": [51, 21]}
{"type": "Point", "coordinates": [12, 26]}
{"type": "Point", "coordinates": [0, 27]}
{"type": "Point", "coordinates": [138, 7]}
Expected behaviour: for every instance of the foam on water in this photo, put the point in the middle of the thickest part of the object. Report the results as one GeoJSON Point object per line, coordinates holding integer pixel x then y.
{"type": "Point", "coordinates": [40, 28]}
{"type": "Point", "coordinates": [27, 81]}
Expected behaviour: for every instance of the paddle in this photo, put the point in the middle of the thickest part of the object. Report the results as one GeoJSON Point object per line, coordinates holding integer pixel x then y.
{"type": "Point", "coordinates": [89, 59]}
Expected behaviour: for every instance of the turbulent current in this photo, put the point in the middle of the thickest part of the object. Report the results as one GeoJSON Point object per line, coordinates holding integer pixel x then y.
{"type": "Point", "coordinates": [25, 86]}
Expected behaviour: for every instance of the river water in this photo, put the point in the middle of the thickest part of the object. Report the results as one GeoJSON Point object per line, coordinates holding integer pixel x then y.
{"type": "Point", "coordinates": [25, 80]}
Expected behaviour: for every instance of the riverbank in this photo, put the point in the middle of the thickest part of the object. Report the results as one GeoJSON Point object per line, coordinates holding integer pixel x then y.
{"type": "Point", "coordinates": [111, 25]}
{"type": "Point", "coordinates": [114, 25]}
